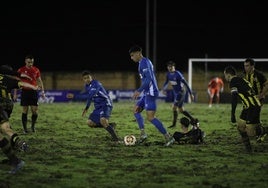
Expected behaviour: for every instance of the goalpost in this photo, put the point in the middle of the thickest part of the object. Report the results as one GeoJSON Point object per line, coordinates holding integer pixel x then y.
{"type": "Point", "coordinates": [194, 60]}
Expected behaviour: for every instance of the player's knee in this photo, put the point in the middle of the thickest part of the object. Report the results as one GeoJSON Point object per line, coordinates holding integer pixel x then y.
{"type": "Point", "coordinates": [104, 122]}
{"type": "Point", "coordinates": [181, 110]}
{"type": "Point", "coordinates": [138, 109]}
{"type": "Point", "coordinates": [91, 124]}
{"type": "Point", "coordinates": [260, 130]}
{"type": "Point", "coordinates": [241, 125]}
{"type": "Point", "coordinates": [251, 129]}
{"type": "Point", "coordinates": [150, 117]}
{"type": "Point", "coordinates": [5, 126]}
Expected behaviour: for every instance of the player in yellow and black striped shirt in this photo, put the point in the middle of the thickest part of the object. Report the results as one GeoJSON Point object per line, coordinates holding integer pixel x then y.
{"type": "Point", "coordinates": [256, 78]}
{"type": "Point", "coordinates": [249, 124]}
{"type": "Point", "coordinates": [9, 140]}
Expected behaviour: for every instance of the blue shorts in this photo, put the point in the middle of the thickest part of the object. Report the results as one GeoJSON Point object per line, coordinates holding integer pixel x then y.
{"type": "Point", "coordinates": [98, 113]}
{"type": "Point", "coordinates": [147, 102]}
{"type": "Point", "coordinates": [179, 99]}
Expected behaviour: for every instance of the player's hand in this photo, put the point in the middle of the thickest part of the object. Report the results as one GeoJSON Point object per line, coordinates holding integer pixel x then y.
{"type": "Point", "coordinates": [164, 92]}
{"type": "Point", "coordinates": [43, 95]}
{"type": "Point", "coordinates": [84, 112]}
{"type": "Point", "coordinates": [192, 97]}
{"type": "Point", "coordinates": [25, 76]}
{"type": "Point", "coordinates": [37, 88]}
{"type": "Point", "coordinates": [136, 95]}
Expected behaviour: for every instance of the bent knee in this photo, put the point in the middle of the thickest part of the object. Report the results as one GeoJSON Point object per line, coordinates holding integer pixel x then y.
{"type": "Point", "coordinates": [137, 109]}
{"type": "Point", "coordinates": [91, 124]}
{"type": "Point", "coordinates": [251, 129]}
{"type": "Point", "coordinates": [241, 125]}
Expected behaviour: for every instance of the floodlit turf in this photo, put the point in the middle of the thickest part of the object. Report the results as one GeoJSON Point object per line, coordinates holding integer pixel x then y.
{"type": "Point", "coordinates": [64, 152]}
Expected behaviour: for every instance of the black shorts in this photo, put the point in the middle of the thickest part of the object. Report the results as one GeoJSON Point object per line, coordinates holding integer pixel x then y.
{"type": "Point", "coordinates": [29, 98]}
{"type": "Point", "coordinates": [251, 115]}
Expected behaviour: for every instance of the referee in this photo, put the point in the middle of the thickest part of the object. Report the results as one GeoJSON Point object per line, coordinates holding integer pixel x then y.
{"type": "Point", "coordinates": [29, 97]}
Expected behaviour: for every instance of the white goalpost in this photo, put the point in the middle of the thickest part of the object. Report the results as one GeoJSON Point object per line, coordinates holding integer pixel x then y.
{"type": "Point", "coordinates": [196, 60]}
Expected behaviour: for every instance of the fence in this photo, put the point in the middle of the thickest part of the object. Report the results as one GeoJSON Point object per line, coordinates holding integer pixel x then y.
{"type": "Point", "coordinates": [128, 81]}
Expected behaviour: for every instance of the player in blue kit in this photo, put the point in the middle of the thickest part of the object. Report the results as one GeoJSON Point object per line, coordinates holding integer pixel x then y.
{"type": "Point", "coordinates": [102, 105]}
{"type": "Point", "coordinates": [150, 92]}
{"type": "Point", "coordinates": [180, 87]}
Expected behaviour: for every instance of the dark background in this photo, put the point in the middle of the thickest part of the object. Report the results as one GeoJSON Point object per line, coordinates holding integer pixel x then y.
{"type": "Point", "coordinates": [96, 35]}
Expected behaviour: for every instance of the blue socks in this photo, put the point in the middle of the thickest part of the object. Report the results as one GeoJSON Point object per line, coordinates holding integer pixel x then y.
{"type": "Point", "coordinates": [159, 126]}
{"type": "Point", "coordinates": [139, 119]}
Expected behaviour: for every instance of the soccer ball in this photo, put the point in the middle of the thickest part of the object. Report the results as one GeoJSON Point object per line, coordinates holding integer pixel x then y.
{"type": "Point", "coordinates": [130, 140]}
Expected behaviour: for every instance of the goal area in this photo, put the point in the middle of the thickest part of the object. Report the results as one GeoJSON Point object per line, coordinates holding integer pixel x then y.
{"type": "Point", "coordinates": [201, 70]}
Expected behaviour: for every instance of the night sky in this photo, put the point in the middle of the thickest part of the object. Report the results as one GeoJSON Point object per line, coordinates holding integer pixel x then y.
{"type": "Point", "coordinates": [96, 35]}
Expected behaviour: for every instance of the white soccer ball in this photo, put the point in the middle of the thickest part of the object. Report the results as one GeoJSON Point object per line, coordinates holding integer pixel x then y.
{"type": "Point", "coordinates": [130, 140]}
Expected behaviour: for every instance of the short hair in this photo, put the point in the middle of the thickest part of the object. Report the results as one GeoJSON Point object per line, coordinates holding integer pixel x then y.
{"type": "Point", "coordinates": [29, 56]}
{"type": "Point", "coordinates": [171, 63]}
{"type": "Point", "coordinates": [230, 70]}
{"type": "Point", "coordinates": [86, 72]}
{"type": "Point", "coordinates": [8, 70]}
{"type": "Point", "coordinates": [135, 48]}
{"type": "Point", "coordinates": [185, 121]}
{"type": "Point", "coordinates": [250, 61]}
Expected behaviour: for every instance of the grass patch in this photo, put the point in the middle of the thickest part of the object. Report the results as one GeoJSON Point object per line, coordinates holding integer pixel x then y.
{"type": "Point", "coordinates": [64, 152]}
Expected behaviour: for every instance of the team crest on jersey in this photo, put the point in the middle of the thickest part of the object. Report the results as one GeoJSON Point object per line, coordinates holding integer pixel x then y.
{"type": "Point", "coordinates": [173, 83]}
{"type": "Point", "coordinates": [144, 70]}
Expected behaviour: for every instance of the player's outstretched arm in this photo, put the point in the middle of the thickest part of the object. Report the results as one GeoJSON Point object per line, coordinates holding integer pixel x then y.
{"type": "Point", "coordinates": [25, 84]}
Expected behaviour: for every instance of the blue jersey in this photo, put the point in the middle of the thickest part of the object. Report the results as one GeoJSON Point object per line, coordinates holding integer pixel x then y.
{"type": "Point", "coordinates": [177, 82]}
{"type": "Point", "coordinates": [97, 94]}
{"type": "Point", "coordinates": [149, 83]}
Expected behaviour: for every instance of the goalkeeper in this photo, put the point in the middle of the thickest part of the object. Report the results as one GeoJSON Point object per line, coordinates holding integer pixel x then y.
{"type": "Point", "coordinates": [215, 87]}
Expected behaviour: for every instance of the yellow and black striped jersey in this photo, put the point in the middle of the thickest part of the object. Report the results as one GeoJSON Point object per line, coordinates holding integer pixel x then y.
{"type": "Point", "coordinates": [257, 80]}
{"type": "Point", "coordinates": [245, 92]}
{"type": "Point", "coordinates": [6, 85]}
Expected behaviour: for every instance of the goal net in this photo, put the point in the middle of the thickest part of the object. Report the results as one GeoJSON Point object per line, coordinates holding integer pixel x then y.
{"type": "Point", "coordinates": [201, 70]}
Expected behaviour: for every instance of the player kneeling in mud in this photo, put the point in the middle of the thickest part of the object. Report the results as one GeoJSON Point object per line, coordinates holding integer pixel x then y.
{"type": "Point", "coordinates": [186, 136]}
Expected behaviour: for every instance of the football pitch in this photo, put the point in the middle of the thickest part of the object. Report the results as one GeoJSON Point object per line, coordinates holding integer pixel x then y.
{"type": "Point", "coordinates": [64, 152]}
